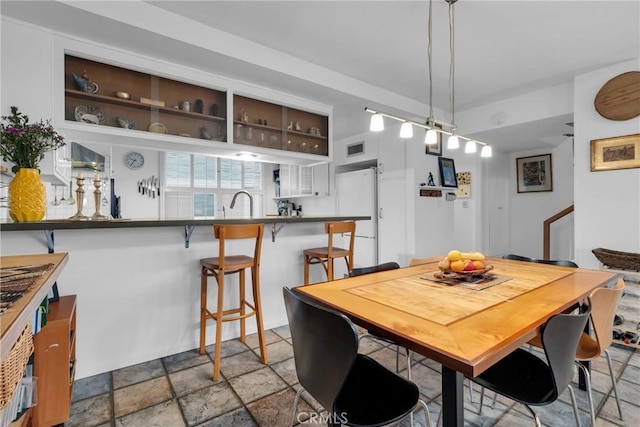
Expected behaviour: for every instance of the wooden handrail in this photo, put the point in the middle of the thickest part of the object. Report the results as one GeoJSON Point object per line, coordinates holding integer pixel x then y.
{"type": "Point", "coordinates": [546, 226]}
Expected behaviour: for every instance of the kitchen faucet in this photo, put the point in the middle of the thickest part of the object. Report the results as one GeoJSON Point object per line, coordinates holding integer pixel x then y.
{"type": "Point", "coordinates": [233, 201]}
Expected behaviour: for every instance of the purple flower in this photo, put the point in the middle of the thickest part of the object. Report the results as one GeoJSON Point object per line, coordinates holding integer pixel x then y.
{"type": "Point", "coordinates": [15, 131]}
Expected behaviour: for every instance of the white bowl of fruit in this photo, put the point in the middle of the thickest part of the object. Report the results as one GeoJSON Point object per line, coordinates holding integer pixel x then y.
{"type": "Point", "coordinates": [464, 263]}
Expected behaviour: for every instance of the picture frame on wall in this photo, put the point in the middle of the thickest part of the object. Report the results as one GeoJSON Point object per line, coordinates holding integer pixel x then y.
{"type": "Point", "coordinates": [534, 174]}
{"type": "Point", "coordinates": [447, 169]}
{"type": "Point", "coordinates": [620, 152]}
{"type": "Point", "coordinates": [435, 149]}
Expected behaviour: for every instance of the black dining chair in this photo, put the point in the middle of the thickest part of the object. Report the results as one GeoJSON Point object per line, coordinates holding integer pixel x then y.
{"type": "Point", "coordinates": [526, 378]}
{"type": "Point", "coordinates": [517, 257]}
{"type": "Point", "coordinates": [562, 262]}
{"type": "Point", "coordinates": [375, 269]}
{"type": "Point", "coordinates": [355, 389]}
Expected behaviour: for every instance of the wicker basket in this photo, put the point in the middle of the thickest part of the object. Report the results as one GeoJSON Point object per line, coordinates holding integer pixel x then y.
{"type": "Point", "coordinates": [617, 259]}
{"type": "Point", "coordinates": [13, 366]}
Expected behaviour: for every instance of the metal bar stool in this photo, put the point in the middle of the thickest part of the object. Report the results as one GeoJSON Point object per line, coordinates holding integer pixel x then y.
{"type": "Point", "coordinates": [325, 255]}
{"type": "Point", "coordinates": [223, 265]}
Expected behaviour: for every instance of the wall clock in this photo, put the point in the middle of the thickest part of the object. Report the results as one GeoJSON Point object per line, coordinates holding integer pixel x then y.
{"type": "Point", "coordinates": [133, 160]}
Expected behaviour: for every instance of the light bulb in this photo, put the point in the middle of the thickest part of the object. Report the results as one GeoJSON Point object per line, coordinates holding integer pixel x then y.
{"type": "Point", "coordinates": [486, 151]}
{"type": "Point", "coordinates": [470, 147]}
{"type": "Point", "coordinates": [377, 123]}
{"type": "Point", "coordinates": [406, 130]}
{"type": "Point", "coordinates": [431, 137]}
{"type": "Point", "coordinates": [452, 142]}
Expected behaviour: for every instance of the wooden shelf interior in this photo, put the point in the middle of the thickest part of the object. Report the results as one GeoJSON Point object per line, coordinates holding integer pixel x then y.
{"type": "Point", "coordinates": [111, 79]}
{"type": "Point", "coordinates": [249, 128]}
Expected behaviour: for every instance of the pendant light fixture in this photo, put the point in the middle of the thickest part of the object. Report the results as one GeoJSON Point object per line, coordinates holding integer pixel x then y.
{"type": "Point", "coordinates": [406, 130]}
{"type": "Point", "coordinates": [377, 123]}
{"type": "Point", "coordinates": [470, 147]}
{"type": "Point", "coordinates": [453, 142]}
{"type": "Point", "coordinates": [486, 151]}
{"type": "Point", "coordinates": [433, 126]}
{"type": "Point", "coordinates": [431, 137]}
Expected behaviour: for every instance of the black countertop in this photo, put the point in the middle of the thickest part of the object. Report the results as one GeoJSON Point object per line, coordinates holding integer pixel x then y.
{"type": "Point", "coordinates": [64, 224]}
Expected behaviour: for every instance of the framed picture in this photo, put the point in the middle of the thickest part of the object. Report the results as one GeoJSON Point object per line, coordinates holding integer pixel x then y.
{"type": "Point", "coordinates": [464, 185]}
{"type": "Point", "coordinates": [620, 152]}
{"type": "Point", "coordinates": [534, 173]}
{"type": "Point", "coordinates": [435, 149]}
{"type": "Point", "coordinates": [447, 172]}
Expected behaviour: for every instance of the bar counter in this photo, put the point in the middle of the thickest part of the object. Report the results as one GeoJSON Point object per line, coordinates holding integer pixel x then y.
{"type": "Point", "coordinates": [138, 286]}
{"type": "Point", "coordinates": [65, 224]}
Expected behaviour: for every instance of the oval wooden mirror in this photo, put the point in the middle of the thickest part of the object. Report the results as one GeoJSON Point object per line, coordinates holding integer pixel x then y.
{"type": "Point", "coordinates": [619, 98]}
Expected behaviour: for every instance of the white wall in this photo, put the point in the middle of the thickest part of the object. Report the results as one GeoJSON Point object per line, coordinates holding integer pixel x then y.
{"type": "Point", "coordinates": [607, 203]}
{"type": "Point", "coordinates": [527, 211]}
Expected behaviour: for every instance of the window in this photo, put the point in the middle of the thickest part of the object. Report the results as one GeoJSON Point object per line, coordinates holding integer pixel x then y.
{"type": "Point", "coordinates": [199, 186]}
{"type": "Point", "coordinates": [296, 180]}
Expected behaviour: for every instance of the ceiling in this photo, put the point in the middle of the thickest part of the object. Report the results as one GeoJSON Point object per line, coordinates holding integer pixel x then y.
{"type": "Point", "coordinates": [374, 52]}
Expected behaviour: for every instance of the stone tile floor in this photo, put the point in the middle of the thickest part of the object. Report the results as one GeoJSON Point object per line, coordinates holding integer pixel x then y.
{"type": "Point", "coordinates": [178, 391]}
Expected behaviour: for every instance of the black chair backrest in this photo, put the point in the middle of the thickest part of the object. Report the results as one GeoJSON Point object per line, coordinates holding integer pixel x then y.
{"type": "Point", "coordinates": [325, 344]}
{"type": "Point", "coordinates": [374, 269]}
{"type": "Point", "coordinates": [562, 262]}
{"type": "Point", "coordinates": [517, 257]}
{"type": "Point", "coordinates": [560, 337]}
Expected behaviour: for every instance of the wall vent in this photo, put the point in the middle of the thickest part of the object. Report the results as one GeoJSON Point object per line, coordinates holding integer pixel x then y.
{"type": "Point", "coordinates": [355, 149]}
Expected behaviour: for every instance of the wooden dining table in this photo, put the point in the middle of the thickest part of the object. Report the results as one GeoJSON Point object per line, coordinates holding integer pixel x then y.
{"type": "Point", "coordinates": [465, 327]}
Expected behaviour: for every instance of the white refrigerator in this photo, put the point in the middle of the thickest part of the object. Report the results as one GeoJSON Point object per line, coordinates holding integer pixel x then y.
{"type": "Point", "coordinates": [356, 194]}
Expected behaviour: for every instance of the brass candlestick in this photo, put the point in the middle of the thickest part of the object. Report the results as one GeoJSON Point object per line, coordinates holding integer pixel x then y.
{"type": "Point", "coordinates": [79, 216]}
{"type": "Point", "coordinates": [97, 183]}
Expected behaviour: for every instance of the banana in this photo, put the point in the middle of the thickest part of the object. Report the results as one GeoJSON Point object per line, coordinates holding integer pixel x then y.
{"type": "Point", "coordinates": [473, 256]}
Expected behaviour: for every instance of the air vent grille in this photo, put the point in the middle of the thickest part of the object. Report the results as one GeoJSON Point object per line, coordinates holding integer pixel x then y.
{"type": "Point", "coordinates": [355, 149]}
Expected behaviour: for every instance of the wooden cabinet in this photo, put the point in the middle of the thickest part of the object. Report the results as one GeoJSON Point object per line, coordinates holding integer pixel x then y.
{"type": "Point", "coordinates": [263, 124]}
{"type": "Point", "coordinates": [142, 102]}
{"type": "Point", "coordinates": [55, 363]}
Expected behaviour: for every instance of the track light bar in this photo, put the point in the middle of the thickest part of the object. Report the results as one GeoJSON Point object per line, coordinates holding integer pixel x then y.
{"type": "Point", "coordinates": [431, 124]}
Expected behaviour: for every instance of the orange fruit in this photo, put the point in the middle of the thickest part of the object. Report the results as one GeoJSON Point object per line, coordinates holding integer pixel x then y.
{"type": "Point", "coordinates": [457, 265]}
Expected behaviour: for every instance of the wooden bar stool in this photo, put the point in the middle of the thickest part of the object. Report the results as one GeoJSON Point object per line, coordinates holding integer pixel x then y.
{"type": "Point", "coordinates": [223, 265]}
{"type": "Point", "coordinates": [326, 255]}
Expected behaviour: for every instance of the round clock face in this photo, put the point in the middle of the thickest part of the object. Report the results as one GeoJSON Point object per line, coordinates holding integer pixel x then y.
{"type": "Point", "coordinates": [134, 160]}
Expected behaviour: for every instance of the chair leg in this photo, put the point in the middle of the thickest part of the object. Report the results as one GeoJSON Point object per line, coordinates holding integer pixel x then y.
{"type": "Point", "coordinates": [219, 315]}
{"type": "Point", "coordinates": [481, 400]}
{"type": "Point", "coordinates": [613, 381]}
{"type": "Point", "coordinates": [330, 269]}
{"type": "Point", "coordinates": [306, 269]}
{"type": "Point", "coordinates": [471, 391]}
{"type": "Point", "coordinates": [535, 416]}
{"type": "Point", "coordinates": [587, 379]}
{"type": "Point", "coordinates": [575, 406]}
{"type": "Point", "coordinates": [426, 412]}
{"type": "Point", "coordinates": [203, 310]}
{"type": "Point", "coordinates": [295, 406]}
{"type": "Point", "coordinates": [243, 329]}
{"type": "Point", "coordinates": [493, 402]}
{"type": "Point", "coordinates": [257, 302]}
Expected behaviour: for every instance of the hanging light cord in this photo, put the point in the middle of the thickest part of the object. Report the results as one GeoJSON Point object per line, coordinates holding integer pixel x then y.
{"type": "Point", "coordinates": [429, 60]}
{"type": "Point", "coordinates": [452, 81]}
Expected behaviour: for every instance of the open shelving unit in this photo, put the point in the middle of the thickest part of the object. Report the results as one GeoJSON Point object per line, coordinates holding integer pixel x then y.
{"type": "Point", "coordinates": [170, 94]}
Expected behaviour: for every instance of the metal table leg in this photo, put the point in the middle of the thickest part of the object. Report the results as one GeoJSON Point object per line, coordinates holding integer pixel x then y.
{"type": "Point", "coordinates": [452, 398]}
